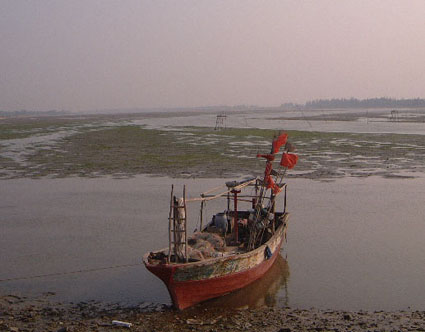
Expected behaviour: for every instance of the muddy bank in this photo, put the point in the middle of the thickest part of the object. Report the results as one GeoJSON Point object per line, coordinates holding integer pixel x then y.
{"type": "Point", "coordinates": [23, 314]}
{"type": "Point", "coordinates": [122, 149]}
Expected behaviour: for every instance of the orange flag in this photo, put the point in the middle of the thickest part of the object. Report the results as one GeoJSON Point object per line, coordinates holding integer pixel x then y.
{"type": "Point", "coordinates": [269, 157]}
{"type": "Point", "coordinates": [288, 160]}
{"type": "Point", "coordinates": [272, 185]}
{"type": "Point", "coordinates": [278, 142]}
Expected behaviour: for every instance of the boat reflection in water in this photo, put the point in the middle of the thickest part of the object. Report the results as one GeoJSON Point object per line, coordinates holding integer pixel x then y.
{"type": "Point", "coordinates": [261, 293]}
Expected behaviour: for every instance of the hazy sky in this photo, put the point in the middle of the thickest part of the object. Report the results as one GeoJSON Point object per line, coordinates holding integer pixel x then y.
{"type": "Point", "coordinates": [87, 54]}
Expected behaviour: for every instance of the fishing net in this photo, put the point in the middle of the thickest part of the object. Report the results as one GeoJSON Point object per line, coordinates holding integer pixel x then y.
{"type": "Point", "coordinates": [205, 245]}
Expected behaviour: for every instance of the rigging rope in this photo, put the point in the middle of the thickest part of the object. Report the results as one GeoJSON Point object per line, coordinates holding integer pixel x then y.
{"type": "Point", "coordinates": [70, 272]}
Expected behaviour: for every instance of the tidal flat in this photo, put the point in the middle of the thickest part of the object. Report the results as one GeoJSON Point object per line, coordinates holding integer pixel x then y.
{"type": "Point", "coordinates": [121, 147]}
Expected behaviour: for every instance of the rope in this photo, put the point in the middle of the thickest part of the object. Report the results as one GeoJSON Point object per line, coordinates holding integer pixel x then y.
{"type": "Point", "coordinates": [70, 272]}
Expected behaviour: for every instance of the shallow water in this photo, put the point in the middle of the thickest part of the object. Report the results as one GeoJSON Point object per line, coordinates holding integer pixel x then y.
{"type": "Point", "coordinates": [368, 121]}
{"type": "Point", "coordinates": [354, 243]}
{"type": "Point", "coordinates": [357, 243]}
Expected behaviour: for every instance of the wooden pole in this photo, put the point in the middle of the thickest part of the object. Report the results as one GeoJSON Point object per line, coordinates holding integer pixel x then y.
{"type": "Point", "coordinates": [235, 213]}
{"type": "Point", "coordinates": [185, 224]}
{"type": "Point", "coordinates": [175, 216]}
{"type": "Point", "coordinates": [169, 223]}
{"type": "Point", "coordinates": [201, 215]}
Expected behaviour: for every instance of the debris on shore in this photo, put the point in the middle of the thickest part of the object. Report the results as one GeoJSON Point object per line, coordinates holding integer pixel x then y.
{"type": "Point", "coordinates": [40, 314]}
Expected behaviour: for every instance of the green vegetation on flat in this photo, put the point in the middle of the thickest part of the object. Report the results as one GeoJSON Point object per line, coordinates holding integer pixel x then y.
{"type": "Point", "coordinates": [121, 149]}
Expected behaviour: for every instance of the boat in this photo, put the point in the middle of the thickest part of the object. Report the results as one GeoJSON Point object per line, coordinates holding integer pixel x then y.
{"type": "Point", "coordinates": [237, 246]}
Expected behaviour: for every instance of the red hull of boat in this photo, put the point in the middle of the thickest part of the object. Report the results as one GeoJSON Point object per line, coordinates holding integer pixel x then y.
{"type": "Point", "coordinates": [190, 292]}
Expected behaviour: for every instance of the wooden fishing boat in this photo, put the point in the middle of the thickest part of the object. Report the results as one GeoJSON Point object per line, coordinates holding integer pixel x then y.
{"type": "Point", "coordinates": [237, 247]}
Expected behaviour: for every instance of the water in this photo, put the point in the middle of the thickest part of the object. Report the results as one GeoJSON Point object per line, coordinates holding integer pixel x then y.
{"type": "Point", "coordinates": [357, 244]}
{"type": "Point", "coordinates": [354, 243]}
{"type": "Point", "coordinates": [367, 122]}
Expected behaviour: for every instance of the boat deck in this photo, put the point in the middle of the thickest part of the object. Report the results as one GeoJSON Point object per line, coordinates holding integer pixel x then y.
{"type": "Point", "coordinates": [234, 250]}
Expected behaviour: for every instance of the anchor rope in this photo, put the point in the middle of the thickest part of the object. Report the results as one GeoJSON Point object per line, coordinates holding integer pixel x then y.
{"type": "Point", "coordinates": [70, 272]}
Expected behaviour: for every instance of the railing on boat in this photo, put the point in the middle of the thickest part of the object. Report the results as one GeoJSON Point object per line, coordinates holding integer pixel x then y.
{"type": "Point", "coordinates": [177, 226]}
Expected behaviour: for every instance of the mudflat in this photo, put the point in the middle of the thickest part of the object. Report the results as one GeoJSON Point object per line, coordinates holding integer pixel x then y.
{"type": "Point", "coordinates": [125, 145]}
{"type": "Point", "coordinates": [23, 314]}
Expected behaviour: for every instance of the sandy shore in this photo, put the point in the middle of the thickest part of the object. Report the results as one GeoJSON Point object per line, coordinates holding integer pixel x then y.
{"type": "Point", "coordinates": [40, 314]}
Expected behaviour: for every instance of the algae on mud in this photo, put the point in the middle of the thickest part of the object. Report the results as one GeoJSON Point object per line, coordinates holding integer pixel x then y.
{"type": "Point", "coordinates": [130, 150]}
{"type": "Point", "coordinates": [97, 146]}
{"type": "Point", "coordinates": [13, 128]}
{"type": "Point", "coordinates": [202, 152]}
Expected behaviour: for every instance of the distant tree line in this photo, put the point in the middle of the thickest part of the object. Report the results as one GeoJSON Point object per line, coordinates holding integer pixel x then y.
{"type": "Point", "coordinates": [365, 103]}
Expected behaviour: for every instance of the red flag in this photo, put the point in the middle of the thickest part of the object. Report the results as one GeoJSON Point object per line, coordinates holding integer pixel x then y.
{"type": "Point", "coordinates": [276, 189]}
{"type": "Point", "coordinates": [268, 181]}
{"type": "Point", "coordinates": [278, 142]}
{"type": "Point", "coordinates": [269, 157]}
{"type": "Point", "coordinates": [267, 171]}
{"type": "Point", "coordinates": [288, 160]}
{"type": "Point", "coordinates": [272, 185]}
